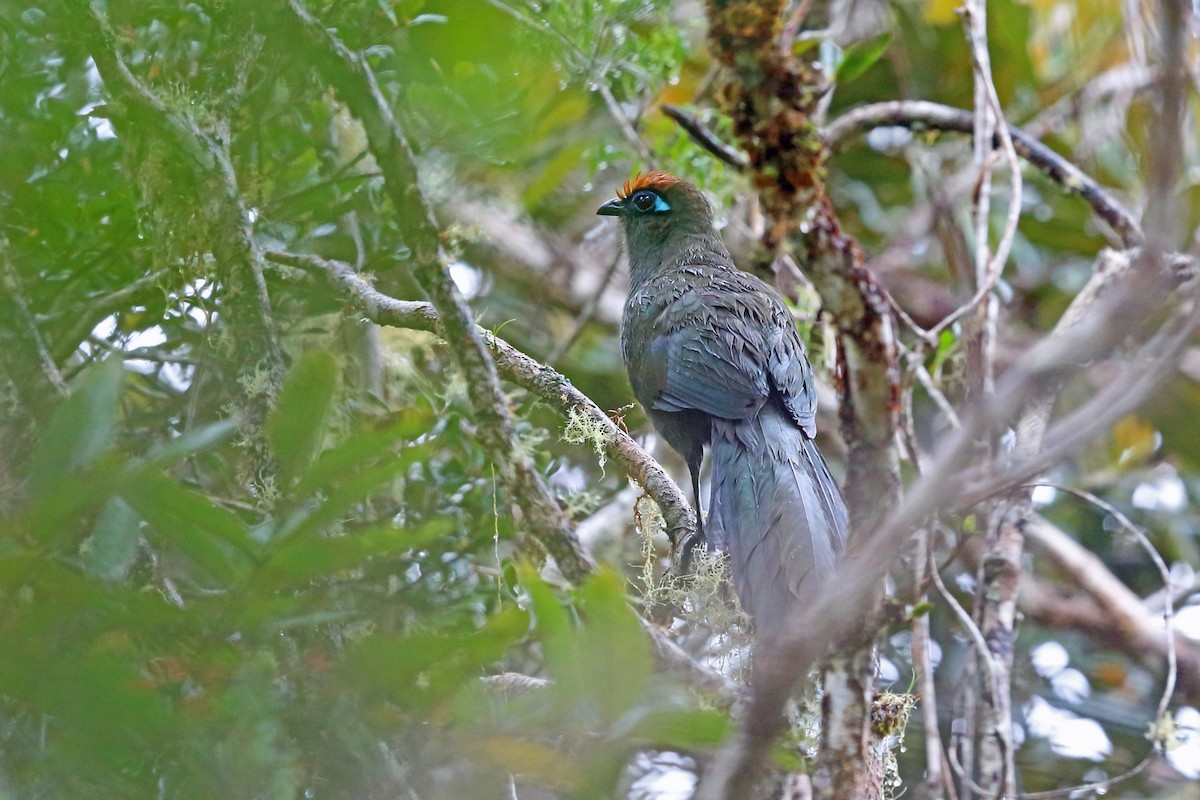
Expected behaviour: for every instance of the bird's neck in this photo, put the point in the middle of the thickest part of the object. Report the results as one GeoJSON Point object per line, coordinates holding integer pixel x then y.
{"type": "Point", "coordinates": [650, 259]}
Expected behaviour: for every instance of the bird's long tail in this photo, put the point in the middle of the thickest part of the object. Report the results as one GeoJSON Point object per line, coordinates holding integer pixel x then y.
{"type": "Point", "coordinates": [776, 510]}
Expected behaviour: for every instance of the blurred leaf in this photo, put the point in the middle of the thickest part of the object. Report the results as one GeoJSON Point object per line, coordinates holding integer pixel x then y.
{"type": "Point", "coordinates": [941, 12]}
{"type": "Point", "coordinates": [81, 430]}
{"type": "Point", "coordinates": [210, 535]}
{"type": "Point", "coordinates": [197, 440]}
{"type": "Point", "coordinates": [1134, 441]}
{"type": "Point", "coordinates": [340, 498]}
{"type": "Point", "coordinates": [299, 560]}
{"type": "Point", "coordinates": [568, 110]}
{"type": "Point", "coordinates": [560, 644]}
{"type": "Point", "coordinates": [521, 756]}
{"type": "Point", "coordinates": [297, 425]}
{"type": "Point", "coordinates": [804, 43]}
{"type": "Point", "coordinates": [422, 670]}
{"type": "Point", "coordinates": [362, 447]}
{"type": "Point", "coordinates": [860, 57]}
{"type": "Point", "coordinates": [111, 549]}
{"type": "Point", "coordinates": [614, 649]}
{"type": "Point", "coordinates": [687, 729]}
{"type": "Point", "coordinates": [553, 174]}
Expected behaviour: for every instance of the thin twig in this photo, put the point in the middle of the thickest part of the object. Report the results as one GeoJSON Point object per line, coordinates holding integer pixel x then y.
{"type": "Point", "coordinates": [10, 280]}
{"type": "Point", "coordinates": [936, 780]}
{"type": "Point", "coordinates": [627, 130]}
{"type": "Point", "coordinates": [917, 367]}
{"type": "Point", "coordinates": [101, 307]}
{"type": "Point", "coordinates": [586, 313]}
{"type": "Point", "coordinates": [1164, 572]}
{"type": "Point", "coordinates": [705, 137]}
{"type": "Point", "coordinates": [1108, 591]}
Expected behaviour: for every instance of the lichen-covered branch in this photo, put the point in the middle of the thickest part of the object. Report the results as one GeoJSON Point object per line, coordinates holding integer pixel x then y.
{"type": "Point", "coordinates": [558, 392]}
{"type": "Point", "coordinates": [772, 99]}
{"type": "Point", "coordinates": [526, 372]}
{"type": "Point", "coordinates": [354, 82]}
{"type": "Point", "coordinates": [254, 339]}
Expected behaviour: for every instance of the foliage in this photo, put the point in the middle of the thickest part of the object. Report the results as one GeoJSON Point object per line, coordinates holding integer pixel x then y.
{"type": "Point", "coordinates": [179, 618]}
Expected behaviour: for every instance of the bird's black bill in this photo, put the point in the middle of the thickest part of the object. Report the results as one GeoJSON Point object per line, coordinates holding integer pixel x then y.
{"type": "Point", "coordinates": [613, 208]}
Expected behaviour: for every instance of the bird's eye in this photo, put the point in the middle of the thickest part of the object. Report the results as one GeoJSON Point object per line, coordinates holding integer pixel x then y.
{"type": "Point", "coordinates": [646, 200]}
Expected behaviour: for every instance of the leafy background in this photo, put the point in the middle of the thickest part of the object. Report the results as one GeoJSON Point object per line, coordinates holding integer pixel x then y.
{"type": "Point", "coordinates": [177, 624]}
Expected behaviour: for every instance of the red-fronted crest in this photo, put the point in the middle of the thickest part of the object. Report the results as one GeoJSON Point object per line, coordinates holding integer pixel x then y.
{"type": "Point", "coordinates": [647, 180]}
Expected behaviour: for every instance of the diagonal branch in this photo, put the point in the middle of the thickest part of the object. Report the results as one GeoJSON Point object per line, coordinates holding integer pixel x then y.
{"type": "Point", "coordinates": [355, 83]}
{"type": "Point", "coordinates": [558, 392]}
{"type": "Point", "coordinates": [947, 485]}
{"type": "Point", "coordinates": [526, 372]}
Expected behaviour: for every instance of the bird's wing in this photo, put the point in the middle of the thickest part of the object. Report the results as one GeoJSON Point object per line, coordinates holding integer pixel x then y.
{"type": "Point", "coordinates": [715, 370]}
{"type": "Point", "coordinates": [704, 355]}
{"type": "Point", "coordinates": [725, 349]}
{"type": "Point", "coordinates": [791, 374]}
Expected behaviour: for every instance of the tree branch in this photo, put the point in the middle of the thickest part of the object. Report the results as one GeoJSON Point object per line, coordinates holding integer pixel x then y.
{"type": "Point", "coordinates": [543, 381]}
{"type": "Point", "coordinates": [921, 114]}
{"type": "Point", "coordinates": [773, 100]}
{"type": "Point", "coordinates": [559, 393]}
{"type": "Point", "coordinates": [354, 82]}
{"type": "Point", "coordinates": [702, 135]}
{"type": "Point", "coordinates": [948, 485]}
{"type": "Point", "coordinates": [255, 347]}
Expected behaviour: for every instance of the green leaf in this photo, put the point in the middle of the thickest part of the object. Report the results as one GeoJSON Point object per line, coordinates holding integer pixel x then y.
{"type": "Point", "coordinates": [921, 609]}
{"type": "Point", "coordinates": [297, 425]}
{"type": "Point", "coordinates": [422, 670]}
{"type": "Point", "coordinates": [614, 648]}
{"type": "Point", "coordinates": [687, 729]}
{"type": "Point", "coordinates": [196, 440]}
{"type": "Point", "coordinates": [804, 43]}
{"type": "Point", "coordinates": [111, 549]}
{"type": "Point", "coordinates": [340, 498]}
{"type": "Point", "coordinates": [945, 348]}
{"type": "Point", "coordinates": [301, 560]}
{"type": "Point", "coordinates": [360, 448]}
{"type": "Point", "coordinates": [560, 643]}
{"type": "Point", "coordinates": [860, 57]}
{"type": "Point", "coordinates": [81, 430]}
{"type": "Point", "coordinates": [210, 535]}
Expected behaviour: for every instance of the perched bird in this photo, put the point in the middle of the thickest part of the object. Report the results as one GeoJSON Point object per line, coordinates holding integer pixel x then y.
{"type": "Point", "coordinates": [715, 359]}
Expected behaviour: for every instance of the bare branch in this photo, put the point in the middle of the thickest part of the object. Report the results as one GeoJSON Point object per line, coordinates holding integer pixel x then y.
{"type": "Point", "coordinates": [704, 136]}
{"type": "Point", "coordinates": [947, 484]}
{"type": "Point", "coordinates": [920, 114]}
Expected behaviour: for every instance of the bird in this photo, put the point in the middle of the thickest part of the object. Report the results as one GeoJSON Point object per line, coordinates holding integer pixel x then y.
{"type": "Point", "coordinates": [715, 359]}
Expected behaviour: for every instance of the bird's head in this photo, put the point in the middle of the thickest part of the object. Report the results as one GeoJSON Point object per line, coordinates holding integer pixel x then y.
{"type": "Point", "coordinates": [663, 216]}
